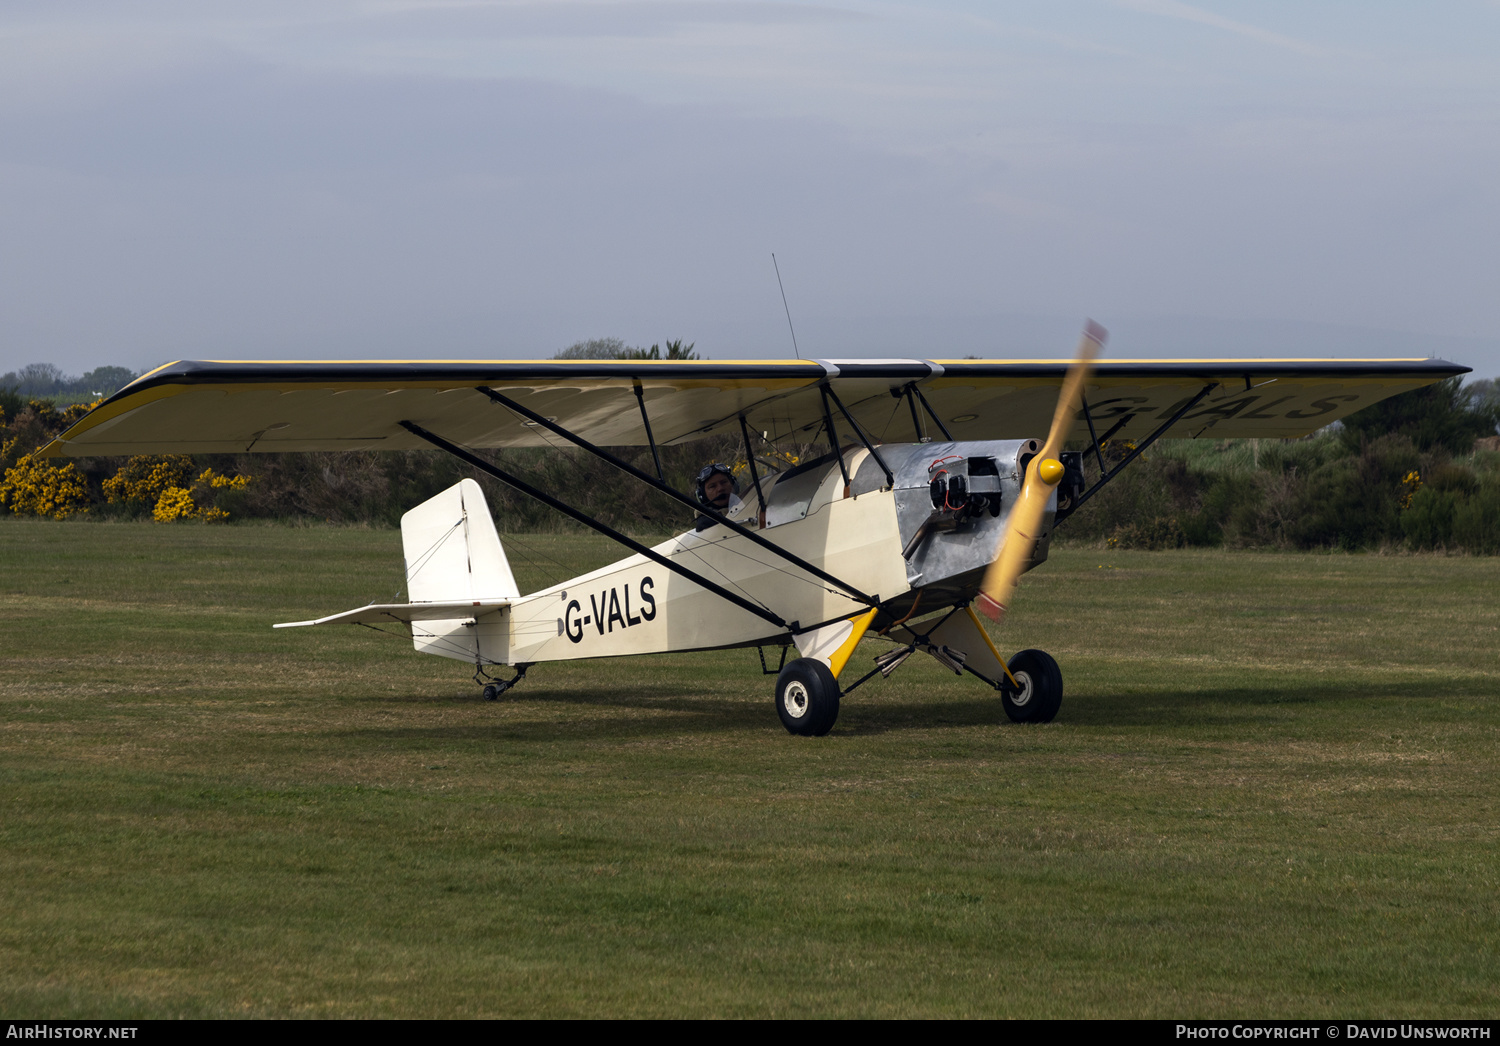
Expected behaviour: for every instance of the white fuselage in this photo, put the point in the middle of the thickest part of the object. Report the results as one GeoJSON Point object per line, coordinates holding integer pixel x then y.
{"type": "Point", "coordinates": [853, 524]}
{"type": "Point", "coordinates": [636, 606]}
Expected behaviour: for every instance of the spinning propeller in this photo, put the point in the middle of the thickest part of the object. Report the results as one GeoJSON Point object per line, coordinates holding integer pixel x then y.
{"type": "Point", "coordinates": [1042, 476]}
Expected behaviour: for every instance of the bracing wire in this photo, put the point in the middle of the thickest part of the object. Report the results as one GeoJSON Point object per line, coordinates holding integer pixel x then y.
{"type": "Point", "coordinates": [426, 557]}
{"type": "Point", "coordinates": [886, 428]}
{"type": "Point", "coordinates": [724, 577]}
{"type": "Point", "coordinates": [423, 560]}
{"type": "Point", "coordinates": [510, 539]}
{"type": "Point", "coordinates": [434, 638]}
{"type": "Point", "coordinates": [784, 571]}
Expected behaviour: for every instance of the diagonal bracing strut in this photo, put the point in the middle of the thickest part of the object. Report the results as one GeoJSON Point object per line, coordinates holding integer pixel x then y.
{"type": "Point", "coordinates": [913, 394]}
{"type": "Point", "coordinates": [588, 521]}
{"type": "Point", "coordinates": [1187, 405]}
{"type": "Point", "coordinates": [640, 396]}
{"type": "Point", "coordinates": [890, 480]}
{"type": "Point", "coordinates": [672, 492]}
{"type": "Point", "coordinates": [833, 437]}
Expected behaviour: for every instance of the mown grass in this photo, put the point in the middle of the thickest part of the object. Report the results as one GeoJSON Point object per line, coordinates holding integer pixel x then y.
{"type": "Point", "coordinates": [1272, 790]}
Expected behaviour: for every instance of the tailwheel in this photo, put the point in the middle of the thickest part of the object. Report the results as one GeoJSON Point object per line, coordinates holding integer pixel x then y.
{"type": "Point", "coordinates": [807, 697]}
{"type": "Point", "coordinates": [1041, 690]}
{"type": "Point", "coordinates": [493, 687]}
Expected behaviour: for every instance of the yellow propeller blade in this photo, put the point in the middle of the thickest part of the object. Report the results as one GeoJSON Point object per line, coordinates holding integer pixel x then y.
{"type": "Point", "coordinates": [1042, 476]}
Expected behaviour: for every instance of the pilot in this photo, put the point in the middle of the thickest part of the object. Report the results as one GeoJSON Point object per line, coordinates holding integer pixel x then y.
{"type": "Point", "coordinates": [717, 490]}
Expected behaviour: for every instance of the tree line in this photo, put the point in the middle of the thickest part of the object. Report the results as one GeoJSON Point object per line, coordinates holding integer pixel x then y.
{"type": "Point", "coordinates": [46, 381]}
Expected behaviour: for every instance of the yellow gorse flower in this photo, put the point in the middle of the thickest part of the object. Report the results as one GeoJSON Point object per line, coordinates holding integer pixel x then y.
{"type": "Point", "coordinates": [40, 488]}
{"type": "Point", "coordinates": [1410, 483]}
{"type": "Point", "coordinates": [148, 477]}
{"type": "Point", "coordinates": [175, 503]}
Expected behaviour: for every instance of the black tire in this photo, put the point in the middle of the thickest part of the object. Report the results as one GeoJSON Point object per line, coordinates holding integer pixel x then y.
{"type": "Point", "coordinates": [492, 692]}
{"type": "Point", "coordinates": [807, 697]}
{"type": "Point", "coordinates": [1041, 688]}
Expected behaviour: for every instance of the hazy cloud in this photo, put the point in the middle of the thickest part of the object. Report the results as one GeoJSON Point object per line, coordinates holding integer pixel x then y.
{"type": "Point", "coordinates": [1189, 13]}
{"type": "Point", "coordinates": [353, 179]}
{"type": "Point", "coordinates": [578, 18]}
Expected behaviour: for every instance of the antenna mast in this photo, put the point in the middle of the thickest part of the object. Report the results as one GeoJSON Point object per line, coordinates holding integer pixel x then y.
{"type": "Point", "coordinates": [785, 306]}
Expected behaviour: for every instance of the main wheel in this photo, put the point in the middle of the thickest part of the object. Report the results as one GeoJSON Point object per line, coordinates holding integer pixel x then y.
{"type": "Point", "coordinates": [1041, 688]}
{"type": "Point", "coordinates": [807, 697]}
{"type": "Point", "coordinates": [492, 692]}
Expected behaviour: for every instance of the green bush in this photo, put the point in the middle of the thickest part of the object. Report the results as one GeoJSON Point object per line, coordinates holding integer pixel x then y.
{"type": "Point", "coordinates": [1150, 535]}
{"type": "Point", "coordinates": [1456, 511]}
{"type": "Point", "coordinates": [1355, 502]}
{"type": "Point", "coordinates": [1443, 416]}
{"type": "Point", "coordinates": [1300, 455]}
{"type": "Point", "coordinates": [1428, 523]}
{"type": "Point", "coordinates": [1476, 520]}
{"type": "Point", "coordinates": [1228, 506]}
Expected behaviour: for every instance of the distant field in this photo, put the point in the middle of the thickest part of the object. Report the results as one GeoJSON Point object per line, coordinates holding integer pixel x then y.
{"type": "Point", "coordinates": [1272, 791]}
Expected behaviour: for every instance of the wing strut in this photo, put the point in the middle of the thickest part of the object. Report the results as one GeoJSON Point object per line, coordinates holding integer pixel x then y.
{"type": "Point", "coordinates": [588, 521]}
{"type": "Point", "coordinates": [913, 394]}
{"type": "Point", "coordinates": [833, 438]}
{"type": "Point", "coordinates": [904, 392]}
{"type": "Point", "coordinates": [692, 503]}
{"type": "Point", "coordinates": [890, 480]}
{"type": "Point", "coordinates": [1098, 450]}
{"type": "Point", "coordinates": [640, 396]}
{"type": "Point", "coordinates": [1140, 447]}
{"type": "Point", "coordinates": [754, 472]}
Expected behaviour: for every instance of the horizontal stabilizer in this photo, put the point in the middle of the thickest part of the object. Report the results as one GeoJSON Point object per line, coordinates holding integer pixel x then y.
{"type": "Point", "coordinates": [377, 613]}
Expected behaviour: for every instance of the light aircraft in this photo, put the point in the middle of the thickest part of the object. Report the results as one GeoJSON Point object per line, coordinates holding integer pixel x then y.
{"type": "Point", "coordinates": [932, 501]}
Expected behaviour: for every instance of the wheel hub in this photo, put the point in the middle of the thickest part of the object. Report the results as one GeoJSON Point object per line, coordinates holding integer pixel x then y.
{"type": "Point", "coordinates": [1023, 680]}
{"type": "Point", "coordinates": [795, 700]}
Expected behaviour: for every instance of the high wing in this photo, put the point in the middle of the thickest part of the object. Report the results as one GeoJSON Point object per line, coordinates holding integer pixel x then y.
{"type": "Point", "coordinates": [234, 407]}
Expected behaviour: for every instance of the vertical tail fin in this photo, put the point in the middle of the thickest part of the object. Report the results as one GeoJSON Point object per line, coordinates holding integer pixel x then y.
{"type": "Point", "coordinates": [452, 550]}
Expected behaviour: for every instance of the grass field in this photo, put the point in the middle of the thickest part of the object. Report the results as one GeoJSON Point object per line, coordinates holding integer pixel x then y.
{"type": "Point", "coordinates": [1273, 789]}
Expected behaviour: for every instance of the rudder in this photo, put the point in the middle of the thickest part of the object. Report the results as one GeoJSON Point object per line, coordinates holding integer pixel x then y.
{"type": "Point", "coordinates": [453, 553]}
{"type": "Point", "coordinates": [452, 550]}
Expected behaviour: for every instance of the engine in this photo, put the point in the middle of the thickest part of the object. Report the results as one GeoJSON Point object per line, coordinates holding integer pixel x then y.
{"type": "Point", "coordinates": [953, 504]}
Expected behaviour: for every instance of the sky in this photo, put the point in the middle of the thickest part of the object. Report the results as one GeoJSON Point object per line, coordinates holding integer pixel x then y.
{"type": "Point", "coordinates": [358, 179]}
